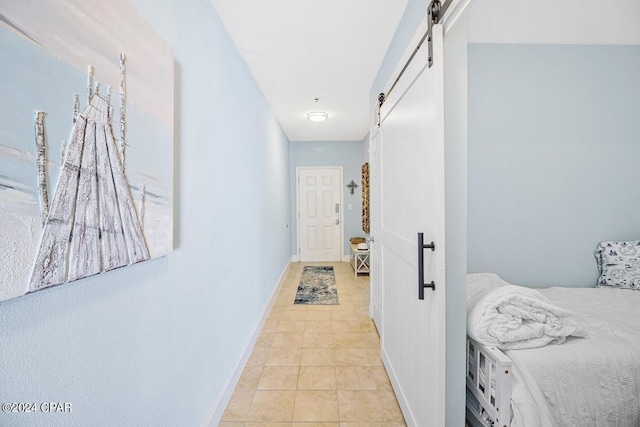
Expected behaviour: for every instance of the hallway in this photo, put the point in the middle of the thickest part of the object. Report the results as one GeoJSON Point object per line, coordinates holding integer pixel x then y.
{"type": "Point", "coordinates": [316, 365]}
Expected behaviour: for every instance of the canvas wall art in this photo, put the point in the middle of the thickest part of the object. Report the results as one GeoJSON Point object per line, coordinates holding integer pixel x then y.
{"type": "Point", "coordinates": [86, 142]}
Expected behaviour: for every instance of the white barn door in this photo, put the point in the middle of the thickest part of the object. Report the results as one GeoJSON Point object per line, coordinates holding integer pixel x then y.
{"type": "Point", "coordinates": [411, 181]}
{"type": "Point", "coordinates": [320, 214]}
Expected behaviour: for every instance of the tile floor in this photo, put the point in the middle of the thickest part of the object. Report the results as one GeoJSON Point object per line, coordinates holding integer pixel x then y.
{"type": "Point", "coordinates": [316, 365]}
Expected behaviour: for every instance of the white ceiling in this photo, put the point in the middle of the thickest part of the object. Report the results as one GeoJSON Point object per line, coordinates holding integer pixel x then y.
{"type": "Point", "coordinates": [299, 50]}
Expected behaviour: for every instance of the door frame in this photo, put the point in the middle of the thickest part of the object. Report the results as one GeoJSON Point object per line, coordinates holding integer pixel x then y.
{"type": "Point", "coordinates": [296, 257]}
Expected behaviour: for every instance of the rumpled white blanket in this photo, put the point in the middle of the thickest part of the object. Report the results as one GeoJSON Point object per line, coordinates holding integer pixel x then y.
{"type": "Point", "coordinates": [514, 317]}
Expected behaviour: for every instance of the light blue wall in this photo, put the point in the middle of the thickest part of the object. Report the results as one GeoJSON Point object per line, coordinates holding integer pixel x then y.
{"type": "Point", "coordinates": [347, 154]}
{"type": "Point", "coordinates": [554, 143]}
{"type": "Point", "coordinates": [415, 12]}
{"type": "Point", "coordinates": [155, 344]}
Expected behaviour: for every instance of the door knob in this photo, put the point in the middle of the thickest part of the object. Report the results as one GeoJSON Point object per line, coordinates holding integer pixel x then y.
{"type": "Point", "coordinates": [371, 239]}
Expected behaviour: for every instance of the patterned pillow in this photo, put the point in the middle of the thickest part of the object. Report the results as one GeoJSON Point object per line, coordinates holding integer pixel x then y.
{"type": "Point", "coordinates": [618, 264]}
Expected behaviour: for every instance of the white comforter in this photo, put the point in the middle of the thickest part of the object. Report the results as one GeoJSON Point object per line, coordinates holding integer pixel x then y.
{"type": "Point", "coordinates": [586, 382]}
{"type": "Point", "coordinates": [514, 317]}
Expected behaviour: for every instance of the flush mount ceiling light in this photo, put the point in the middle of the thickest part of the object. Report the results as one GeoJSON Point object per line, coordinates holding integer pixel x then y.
{"type": "Point", "coordinates": [317, 116]}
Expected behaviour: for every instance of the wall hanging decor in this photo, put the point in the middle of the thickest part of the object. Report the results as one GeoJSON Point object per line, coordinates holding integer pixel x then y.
{"type": "Point", "coordinates": [352, 187]}
{"type": "Point", "coordinates": [365, 198]}
{"type": "Point", "coordinates": [86, 142]}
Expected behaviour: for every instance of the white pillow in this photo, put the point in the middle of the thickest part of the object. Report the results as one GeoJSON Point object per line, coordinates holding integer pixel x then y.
{"type": "Point", "coordinates": [618, 264]}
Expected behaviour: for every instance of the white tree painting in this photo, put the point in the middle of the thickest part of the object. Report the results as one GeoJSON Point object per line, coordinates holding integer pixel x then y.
{"type": "Point", "coordinates": [111, 204]}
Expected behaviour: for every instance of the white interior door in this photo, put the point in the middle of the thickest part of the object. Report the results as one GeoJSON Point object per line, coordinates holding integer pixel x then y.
{"type": "Point", "coordinates": [411, 175]}
{"type": "Point", "coordinates": [320, 214]}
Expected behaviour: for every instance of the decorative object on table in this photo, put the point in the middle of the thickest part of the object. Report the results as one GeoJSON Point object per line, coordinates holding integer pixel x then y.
{"type": "Point", "coordinates": [111, 202]}
{"type": "Point", "coordinates": [357, 240]}
{"type": "Point", "coordinates": [365, 198]}
{"type": "Point", "coordinates": [352, 186]}
{"type": "Point", "coordinates": [317, 286]}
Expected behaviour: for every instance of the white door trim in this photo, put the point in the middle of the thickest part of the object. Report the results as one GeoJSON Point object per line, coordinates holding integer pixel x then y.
{"type": "Point", "coordinates": [297, 217]}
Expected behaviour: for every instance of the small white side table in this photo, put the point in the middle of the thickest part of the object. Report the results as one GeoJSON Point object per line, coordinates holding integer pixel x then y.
{"type": "Point", "coordinates": [359, 260]}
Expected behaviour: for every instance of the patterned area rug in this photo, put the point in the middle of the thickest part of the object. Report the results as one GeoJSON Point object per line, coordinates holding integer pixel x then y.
{"type": "Point", "coordinates": [317, 286]}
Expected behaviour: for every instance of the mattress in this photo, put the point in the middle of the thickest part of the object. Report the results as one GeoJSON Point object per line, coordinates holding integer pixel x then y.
{"type": "Point", "coordinates": [592, 381]}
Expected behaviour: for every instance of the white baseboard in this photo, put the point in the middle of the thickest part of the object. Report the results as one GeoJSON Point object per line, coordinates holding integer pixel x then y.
{"type": "Point", "coordinates": [345, 258]}
{"type": "Point", "coordinates": [222, 400]}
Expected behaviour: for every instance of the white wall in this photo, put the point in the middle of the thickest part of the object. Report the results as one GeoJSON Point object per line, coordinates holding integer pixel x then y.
{"type": "Point", "coordinates": [555, 22]}
{"type": "Point", "coordinates": [157, 343]}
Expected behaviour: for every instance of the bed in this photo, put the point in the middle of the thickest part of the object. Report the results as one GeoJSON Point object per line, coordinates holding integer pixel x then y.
{"type": "Point", "coordinates": [591, 380]}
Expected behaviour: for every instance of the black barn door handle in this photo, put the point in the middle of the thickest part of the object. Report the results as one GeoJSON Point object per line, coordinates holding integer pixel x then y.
{"type": "Point", "coordinates": [421, 248]}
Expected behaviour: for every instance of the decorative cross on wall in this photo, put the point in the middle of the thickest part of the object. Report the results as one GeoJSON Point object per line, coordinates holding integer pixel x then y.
{"type": "Point", "coordinates": [352, 186]}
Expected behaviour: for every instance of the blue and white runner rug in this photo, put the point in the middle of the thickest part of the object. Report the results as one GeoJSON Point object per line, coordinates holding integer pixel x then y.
{"type": "Point", "coordinates": [317, 286]}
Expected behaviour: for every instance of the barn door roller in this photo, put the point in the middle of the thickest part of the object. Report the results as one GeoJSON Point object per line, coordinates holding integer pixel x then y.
{"type": "Point", "coordinates": [434, 14]}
